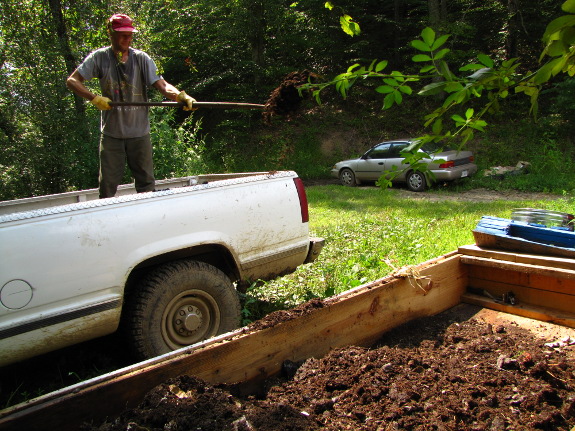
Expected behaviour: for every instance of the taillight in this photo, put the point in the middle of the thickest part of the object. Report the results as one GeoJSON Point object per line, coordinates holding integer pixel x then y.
{"type": "Point", "coordinates": [302, 199]}
{"type": "Point", "coordinates": [471, 159]}
{"type": "Point", "coordinates": [446, 165]}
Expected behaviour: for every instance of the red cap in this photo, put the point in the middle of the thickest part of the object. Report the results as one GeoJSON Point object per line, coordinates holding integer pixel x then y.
{"type": "Point", "coordinates": [121, 22]}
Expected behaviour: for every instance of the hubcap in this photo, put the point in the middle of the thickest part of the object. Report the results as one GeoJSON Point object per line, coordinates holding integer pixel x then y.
{"type": "Point", "coordinates": [187, 318]}
{"type": "Point", "coordinates": [190, 317]}
{"type": "Point", "coordinates": [346, 177]}
{"type": "Point", "coordinates": [415, 181]}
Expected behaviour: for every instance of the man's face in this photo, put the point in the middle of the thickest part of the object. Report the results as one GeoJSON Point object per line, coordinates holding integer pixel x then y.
{"type": "Point", "coordinates": [121, 40]}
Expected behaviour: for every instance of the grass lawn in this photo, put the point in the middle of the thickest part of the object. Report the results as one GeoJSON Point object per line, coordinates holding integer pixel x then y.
{"type": "Point", "coordinates": [370, 232]}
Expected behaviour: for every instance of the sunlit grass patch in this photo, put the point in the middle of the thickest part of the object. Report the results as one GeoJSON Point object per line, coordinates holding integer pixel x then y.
{"type": "Point", "coordinates": [370, 233]}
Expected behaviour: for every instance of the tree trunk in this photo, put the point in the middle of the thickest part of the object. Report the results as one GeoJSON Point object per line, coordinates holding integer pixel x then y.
{"type": "Point", "coordinates": [55, 7]}
{"type": "Point", "coordinates": [512, 28]}
{"type": "Point", "coordinates": [257, 25]}
{"type": "Point", "coordinates": [434, 13]}
{"type": "Point", "coordinates": [396, 19]}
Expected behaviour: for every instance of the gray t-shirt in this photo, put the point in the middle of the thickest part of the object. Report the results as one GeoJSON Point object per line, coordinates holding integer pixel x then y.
{"type": "Point", "coordinates": [122, 82]}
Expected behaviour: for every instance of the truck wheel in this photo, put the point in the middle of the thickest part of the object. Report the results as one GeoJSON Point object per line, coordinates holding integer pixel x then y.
{"type": "Point", "coordinates": [416, 181]}
{"type": "Point", "coordinates": [179, 304]}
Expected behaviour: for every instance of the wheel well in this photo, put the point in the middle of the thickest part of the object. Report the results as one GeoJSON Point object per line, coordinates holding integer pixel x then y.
{"type": "Point", "coordinates": [213, 254]}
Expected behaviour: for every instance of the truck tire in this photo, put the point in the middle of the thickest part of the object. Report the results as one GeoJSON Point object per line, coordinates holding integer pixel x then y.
{"type": "Point", "coordinates": [178, 304]}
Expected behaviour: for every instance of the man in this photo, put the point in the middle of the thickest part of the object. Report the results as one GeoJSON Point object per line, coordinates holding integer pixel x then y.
{"type": "Point", "coordinates": [124, 74]}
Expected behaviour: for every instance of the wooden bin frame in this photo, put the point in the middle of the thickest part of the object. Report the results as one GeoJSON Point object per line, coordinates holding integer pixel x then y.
{"type": "Point", "coordinates": [356, 317]}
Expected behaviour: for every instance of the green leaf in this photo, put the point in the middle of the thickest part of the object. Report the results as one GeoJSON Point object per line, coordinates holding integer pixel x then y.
{"type": "Point", "coordinates": [467, 134]}
{"type": "Point", "coordinates": [483, 73]}
{"type": "Point", "coordinates": [458, 118]}
{"type": "Point", "coordinates": [427, 68]}
{"type": "Point", "coordinates": [558, 24]}
{"type": "Point", "coordinates": [485, 60]}
{"type": "Point", "coordinates": [443, 69]}
{"type": "Point", "coordinates": [348, 26]}
{"type": "Point", "coordinates": [544, 74]}
{"type": "Point", "coordinates": [559, 64]}
{"type": "Point", "coordinates": [353, 66]}
{"type": "Point", "coordinates": [388, 101]}
{"type": "Point", "coordinates": [441, 54]}
{"type": "Point", "coordinates": [381, 65]}
{"type": "Point", "coordinates": [398, 97]}
{"type": "Point", "coordinates": [428, 36]}
{"type": "Point", "coordinates": [328, 5]}
{"type": "Point", "coordinates": [469, 113]}
{"type": "Point", "coordinates": [405, 89]}
{"type": "Point", "coordinates": [354, 26]}
{"type": "Point", "coordinates": [450, 99]}
{"type": "Point", "coordinates": [452, 86]}
{"type": "Point", "coordinates": [437, 126]}
{"type": "Point", "coordinates": [568, 6]}
{"type": "Point", "coordinates": [471, 67]}
{"type": "Point", "coordinates": [556, 48]}
{"type": "Point", "coordinates": [478, 125]}
{"type": "Point", "coordinates": [461, 96]}
{"type": "Point", "coordinates": [418, 58]}
{"type": "Point", "coordinates": [568, 36]}
{"type": "Point", "coordinates": [420, 45]}
{"type": "Point", "coordinates": [391, 81]}
{"type": "Point", "coordinates": [384, 89]}
{"type": "Point", "coordinates": [431, 89]}
{"type": "Point", "coordinates": [439, 42]}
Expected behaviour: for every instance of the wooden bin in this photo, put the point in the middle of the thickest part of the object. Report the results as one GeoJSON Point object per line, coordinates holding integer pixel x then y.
{"type": "Point", "coordinates": [543, 287]}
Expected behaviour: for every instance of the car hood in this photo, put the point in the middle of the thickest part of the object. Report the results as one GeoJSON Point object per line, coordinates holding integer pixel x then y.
{"type": "Point", "coordinates": [344, 162]}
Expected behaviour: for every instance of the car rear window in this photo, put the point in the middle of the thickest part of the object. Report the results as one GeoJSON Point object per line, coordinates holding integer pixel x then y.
{"type": "Point", "coordinates": [434, 147]}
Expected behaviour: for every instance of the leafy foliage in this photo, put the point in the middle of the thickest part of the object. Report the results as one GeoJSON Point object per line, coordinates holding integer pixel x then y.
{"type": "Point", "coordinates": [239, 51]}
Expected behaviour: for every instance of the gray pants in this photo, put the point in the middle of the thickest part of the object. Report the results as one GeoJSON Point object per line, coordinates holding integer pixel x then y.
{"type": "Point", "coordinates": [113, 156]}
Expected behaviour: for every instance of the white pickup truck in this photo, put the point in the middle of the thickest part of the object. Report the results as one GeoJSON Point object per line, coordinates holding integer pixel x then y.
{"type": "Point", "coordinates": [165, 266]}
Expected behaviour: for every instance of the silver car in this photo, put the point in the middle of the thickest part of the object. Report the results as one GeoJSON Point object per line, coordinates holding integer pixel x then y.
{"type": "Point", "coordinates": [451, 165]}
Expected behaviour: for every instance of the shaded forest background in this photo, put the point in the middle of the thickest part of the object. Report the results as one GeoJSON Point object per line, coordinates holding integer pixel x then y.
{"type": "Point", "coordinates": [240, 50]}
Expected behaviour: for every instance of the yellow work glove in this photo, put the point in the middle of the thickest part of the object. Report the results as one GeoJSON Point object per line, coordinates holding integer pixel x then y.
{"type": "Point", "coordinates": [188, 100]}
{"type": "Point", "coordinates": [102, 103]}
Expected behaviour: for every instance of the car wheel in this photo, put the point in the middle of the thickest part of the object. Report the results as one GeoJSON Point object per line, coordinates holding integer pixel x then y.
{"type": "Point", "coordinates": [347, 177]}
{"type": "Point", "coordinates": [178, 304]}
{"type": "Point", "coordinates": [416, 181]}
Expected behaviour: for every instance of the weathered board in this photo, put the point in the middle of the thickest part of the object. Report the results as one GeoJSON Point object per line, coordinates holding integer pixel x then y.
{"type": "Point", "coordinates": [543, 287]}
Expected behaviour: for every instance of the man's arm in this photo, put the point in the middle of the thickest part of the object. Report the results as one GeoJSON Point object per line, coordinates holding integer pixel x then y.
{"type": "Point", "coordinates": [75, 83]}
{"type": "Point", "coordinates": [173, 93]}
{"type": "Point", "coordinates": [166, 89]}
